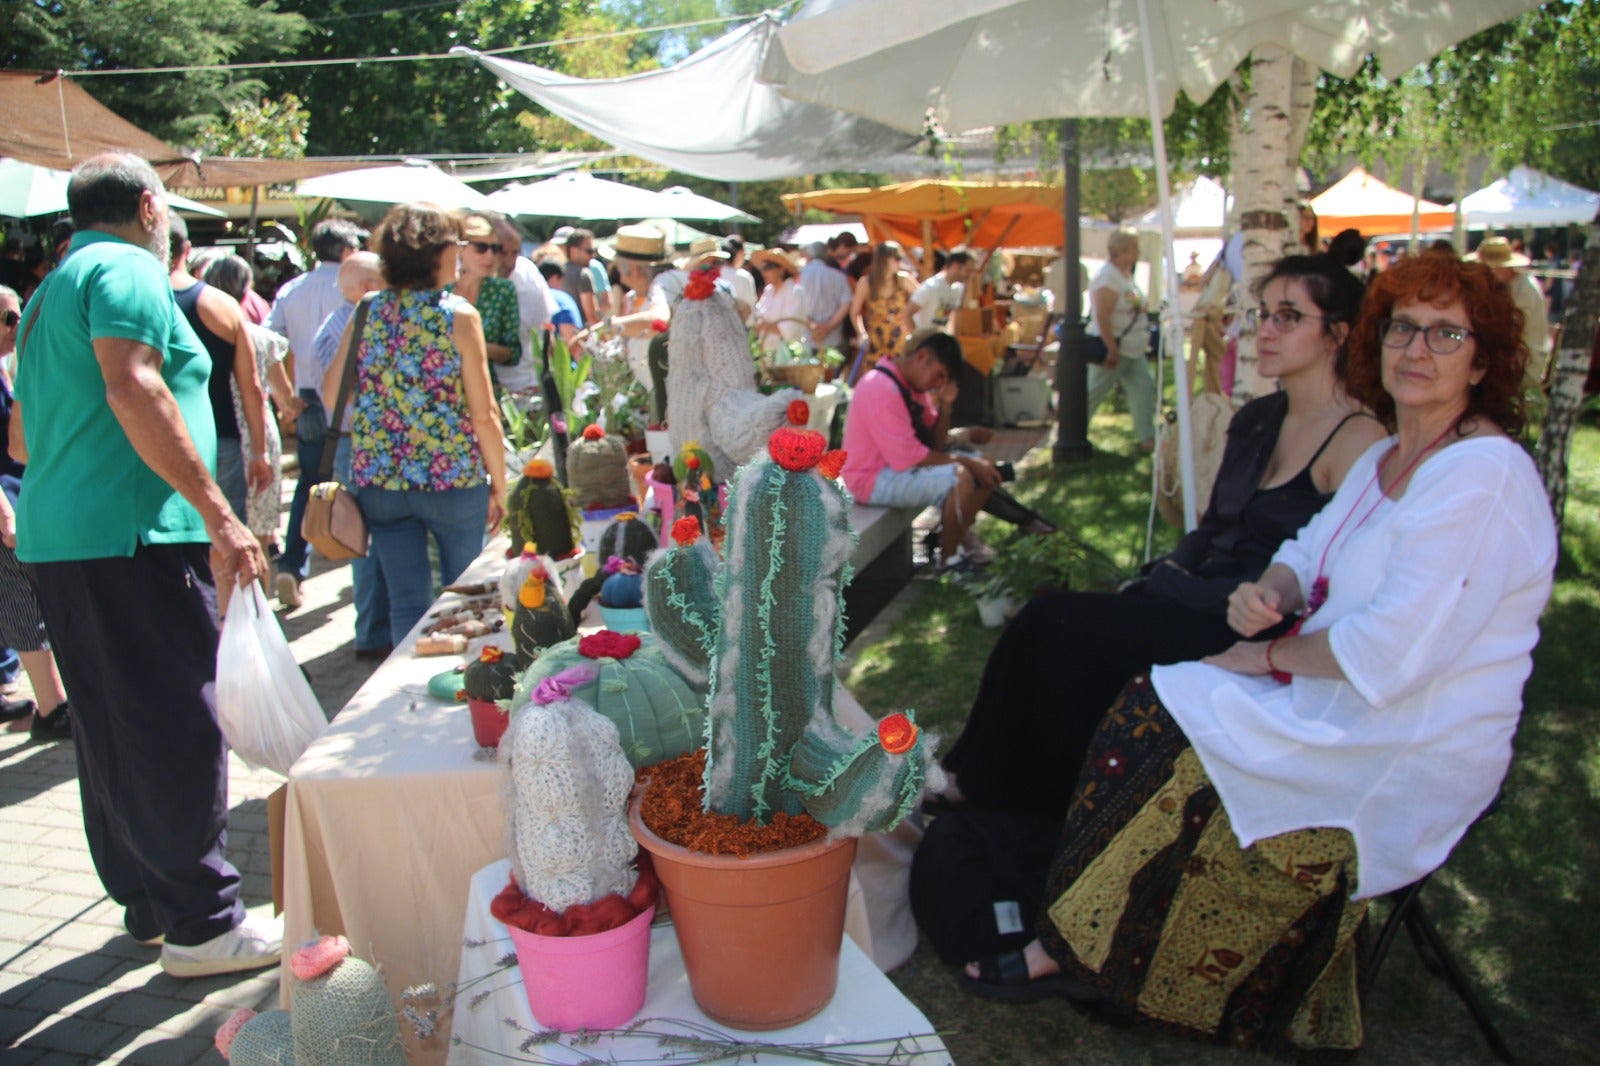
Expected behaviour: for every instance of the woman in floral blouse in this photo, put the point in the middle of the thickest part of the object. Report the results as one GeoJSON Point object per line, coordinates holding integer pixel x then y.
{"type": "Point", "coordinates": [428, 455]}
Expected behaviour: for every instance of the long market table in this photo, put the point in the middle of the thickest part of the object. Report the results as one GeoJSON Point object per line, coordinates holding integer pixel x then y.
{"type": "Point", "coordinates": [391, 811]}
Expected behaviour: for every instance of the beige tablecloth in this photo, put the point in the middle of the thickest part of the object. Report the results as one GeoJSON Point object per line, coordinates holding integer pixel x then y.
{"type": "Point", "coordinates": [393, 809]}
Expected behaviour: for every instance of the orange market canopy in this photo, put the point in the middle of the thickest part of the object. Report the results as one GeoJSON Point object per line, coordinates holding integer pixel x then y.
{"type": "Point", "coordinates": [949, 213]}
{"type": "Point", "coordinates": [1362, 202]}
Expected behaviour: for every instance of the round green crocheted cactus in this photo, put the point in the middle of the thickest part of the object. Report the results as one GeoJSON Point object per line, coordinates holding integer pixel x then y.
{"type": "Point", "coordinates": [597, 470]}
{"type": "Point", "coordinates": [540, 620]}
{"type": "Point", "coordinates": [344, 1017]}
{"type": "Point", "coordinates": [680, 600]}
{"type": "Point", "coordinates": [658, 714]}
{"type": "Point", "coordinates": [538, 511]}
{"type": "Point", "coordinates": [265, 1040]}
{"type": "Point", "coordinates": [491, 676]}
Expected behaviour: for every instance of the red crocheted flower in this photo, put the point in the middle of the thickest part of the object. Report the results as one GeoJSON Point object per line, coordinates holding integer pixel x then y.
{"type": "Point", "coordinates": [491, 654]}
{"type": "Point", "coordinates": [658, 325]}
{"type": "Point", "coordinates": [799, 412]}
{"type": "Point", "coordinates": [539, 469]}
{"type": "Point", "coordinates": [685, 531]}
{"type": "Point", "coordinates": [897, 734]}
{"type": "Point", "coordinates": [796, 449]}
{"type": "Point", "coordinates": [608, 645]}
{"type": "Point", "coordinates": [593, 431]}
{"type": "Point", "coordinates": [831, 465]}
{"type": "Point", "coordinates": [702, 283]}
{"type": "Point", "coordinates": [692, 461]}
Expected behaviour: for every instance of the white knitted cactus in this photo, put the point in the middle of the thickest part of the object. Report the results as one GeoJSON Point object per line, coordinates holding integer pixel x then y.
{"type": "Point", "coordinates": [568, 785]}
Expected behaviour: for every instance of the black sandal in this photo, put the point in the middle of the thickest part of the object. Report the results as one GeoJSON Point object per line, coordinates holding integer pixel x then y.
{"type": "Point", "coordinates": [1004, 978]}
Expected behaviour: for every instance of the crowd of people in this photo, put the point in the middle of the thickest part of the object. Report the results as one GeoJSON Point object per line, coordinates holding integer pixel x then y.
{"type": "Point", "coordinates": [1302, 707]}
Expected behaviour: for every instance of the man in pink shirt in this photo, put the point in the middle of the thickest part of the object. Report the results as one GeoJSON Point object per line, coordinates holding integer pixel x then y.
{"type": "Point", "coordinates": [894, 434]}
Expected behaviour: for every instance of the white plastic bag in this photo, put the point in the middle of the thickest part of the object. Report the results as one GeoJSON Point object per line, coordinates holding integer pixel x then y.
{"type": "Point", "coordinates": [267, 711]}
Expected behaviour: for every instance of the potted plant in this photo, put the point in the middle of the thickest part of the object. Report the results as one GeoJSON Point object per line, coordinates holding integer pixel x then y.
{"type": "Point", "coordinates": [753, 838]}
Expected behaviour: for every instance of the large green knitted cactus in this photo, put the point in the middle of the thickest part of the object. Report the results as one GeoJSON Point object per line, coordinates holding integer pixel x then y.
{"type": "Point", "coordinates": [680, 600]}
{"type": "Point", "coordinates": [775, 744]}
{"type": "Point", "coordinates": [658, 714]}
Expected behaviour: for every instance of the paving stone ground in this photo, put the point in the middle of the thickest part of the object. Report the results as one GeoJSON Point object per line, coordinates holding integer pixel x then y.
{"type": "Point", "coordinates": [75, 988]}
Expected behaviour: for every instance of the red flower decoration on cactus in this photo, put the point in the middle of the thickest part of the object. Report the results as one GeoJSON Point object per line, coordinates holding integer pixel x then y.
{"type": "Point", "coordinates": [897, 734]}
{"type": "Point", "coordinates": [692, 461]}
{"type": "Point", "coordinates": [658, 325]}
{"type": "Point", "coordinates": [799, 412]}
{"type": "Point", "coordinates": [608, 645]}
{"type": "Point", "coordinates": [796, 449]}
{"type": "Point", "coordinates": [491, 654]}
{"type": "Point", "coordinates": [538, 469]}
{"type": "Point", "coordinates": [831, 465]}
{"type": "Point", "coordinates": [702, 283]}
{"type": "Point", "coordinates": [685, 531]}
{"type": "Point", "coordinates": [593, 431]}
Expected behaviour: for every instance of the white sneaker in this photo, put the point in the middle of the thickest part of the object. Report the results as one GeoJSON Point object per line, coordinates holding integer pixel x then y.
{"type": "Point", "coordinates": [253, 944]}
{"type": "Point", "coordinates": [288, 590]}
{"type": "Point", "coordinates": [976, 551]}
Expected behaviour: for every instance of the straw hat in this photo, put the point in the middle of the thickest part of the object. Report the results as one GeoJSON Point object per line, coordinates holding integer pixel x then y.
{"type": "Point", "coordinates": [642, 244]}
{"type": "Point", "coordinates": [478, 228]}
{"type": "Point", "coordinates": [777, 255]}
{"type": "Point", "coordinates": [701, 249]}
{"type": "Point", "coordinates": [1497, 252]}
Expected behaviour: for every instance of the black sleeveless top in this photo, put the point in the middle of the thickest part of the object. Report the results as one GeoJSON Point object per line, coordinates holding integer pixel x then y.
{"type": "Point", "coordinates": [1244, 523]}
{"type": "Point", "coordinates": [221, 351]}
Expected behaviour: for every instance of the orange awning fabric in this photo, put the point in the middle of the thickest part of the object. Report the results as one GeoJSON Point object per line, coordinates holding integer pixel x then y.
{"type": "Point", "coordinates": [975, 214]}
{"type": "Point", "coordinates": [52, 121]}
{"type": "Point", "coordinates": [1362, 202]}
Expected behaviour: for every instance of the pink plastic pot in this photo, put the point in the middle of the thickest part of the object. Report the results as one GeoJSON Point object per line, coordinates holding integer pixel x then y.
{"type": "Point", "coordinates": [489, 721]}
{"type": "Point", "coordinates": [586, 982]}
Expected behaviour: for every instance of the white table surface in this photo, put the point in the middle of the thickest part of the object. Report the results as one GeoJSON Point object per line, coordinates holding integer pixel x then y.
{"type": "Point", "coordinates": [867, 1008]}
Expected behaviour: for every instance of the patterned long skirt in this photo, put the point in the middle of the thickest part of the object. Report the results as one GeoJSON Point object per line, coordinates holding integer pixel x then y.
{"type": "Point", "coordinates": [1158, 909]}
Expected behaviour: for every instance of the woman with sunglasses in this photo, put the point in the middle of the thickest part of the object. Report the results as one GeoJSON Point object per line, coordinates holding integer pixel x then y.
{"type": "Point", "coordinates": [1235, 814]}
{"type": "Point", "coordinates": [1065, 657]}
{"type": "Point", "coordinates": [481, 285]}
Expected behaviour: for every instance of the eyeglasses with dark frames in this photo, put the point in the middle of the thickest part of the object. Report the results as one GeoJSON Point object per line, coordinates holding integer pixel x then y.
{"type": "Point", "coordinates": [1283, 319]}
{"type": "Point", "coordinates": [1442, 338]}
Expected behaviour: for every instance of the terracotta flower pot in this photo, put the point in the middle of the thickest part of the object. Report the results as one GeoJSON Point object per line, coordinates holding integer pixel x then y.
{"type": "Point", "coordinates": [489, 721]}
{"type": "Point", "coordinates": [760, 936]}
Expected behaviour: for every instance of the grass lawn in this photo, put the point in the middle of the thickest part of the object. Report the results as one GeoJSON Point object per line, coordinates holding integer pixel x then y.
{"type": "Point", "coordinates": [1519, 901]}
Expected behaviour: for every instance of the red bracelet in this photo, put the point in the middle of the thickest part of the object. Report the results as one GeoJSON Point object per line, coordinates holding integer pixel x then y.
{"type": "Point", "coordinates": [1280, 676]}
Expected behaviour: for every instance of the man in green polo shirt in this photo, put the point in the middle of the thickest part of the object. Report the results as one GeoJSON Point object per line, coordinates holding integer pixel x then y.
{"type": "Point", "coordinates": [122, 526]}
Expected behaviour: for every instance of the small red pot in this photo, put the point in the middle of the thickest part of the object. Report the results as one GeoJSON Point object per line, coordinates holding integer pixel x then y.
{"type": "Point", "coordinates": [489, 722]}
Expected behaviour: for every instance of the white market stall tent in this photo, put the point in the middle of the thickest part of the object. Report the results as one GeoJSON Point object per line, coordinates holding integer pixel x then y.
{"type": "Point", "coordinates": [1527, 197]}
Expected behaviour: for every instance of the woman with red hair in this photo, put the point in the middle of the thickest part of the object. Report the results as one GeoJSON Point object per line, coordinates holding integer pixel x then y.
{"type": "Point", "coordinates": [1235, 815]}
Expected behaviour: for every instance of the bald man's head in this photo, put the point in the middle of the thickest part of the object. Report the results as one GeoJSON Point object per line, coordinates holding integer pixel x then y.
{"type": "Point", "coordinates": [359, 274]}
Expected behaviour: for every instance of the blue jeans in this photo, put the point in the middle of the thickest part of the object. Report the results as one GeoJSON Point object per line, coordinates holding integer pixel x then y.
{"type": "Point", "coordinates": [399, 523]}
{"type": "Point", "coordinates": [366, 573]}
{"type": "Point", "coordinates": [230, 475]}
{"type": "Point", "coordinates": [310, 429]}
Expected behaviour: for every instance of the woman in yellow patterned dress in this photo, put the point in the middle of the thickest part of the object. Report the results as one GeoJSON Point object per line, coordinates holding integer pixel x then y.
{"type": "Point", "coordinates": [878, 309]}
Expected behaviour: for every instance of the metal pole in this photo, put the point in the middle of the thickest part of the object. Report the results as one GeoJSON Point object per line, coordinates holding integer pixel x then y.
{"type": "Point", "coordinates": [1072, 371]}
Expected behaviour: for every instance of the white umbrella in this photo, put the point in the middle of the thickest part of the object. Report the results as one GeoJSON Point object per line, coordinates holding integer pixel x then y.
{"type": "Point", "coordinates": [1528, 198]}
{"type": "Point", "coordinates": [27, 190]}
{"type": "Point", "coordinates": [972, 63]}
{"type": "Point", "coordinates": [577, 194]}
{"type": "Point", "coordinates": [689, 206]}
{"type": "Point", "coordinates": [414, 181]}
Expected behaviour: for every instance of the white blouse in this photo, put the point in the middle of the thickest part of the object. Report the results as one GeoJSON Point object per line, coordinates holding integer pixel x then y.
{"type": "Point", "coordinates": [1432, 613]}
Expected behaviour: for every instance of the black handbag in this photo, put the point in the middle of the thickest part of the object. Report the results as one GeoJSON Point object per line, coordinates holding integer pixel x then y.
{"type": "Point", "coordinates": [1094, 348]}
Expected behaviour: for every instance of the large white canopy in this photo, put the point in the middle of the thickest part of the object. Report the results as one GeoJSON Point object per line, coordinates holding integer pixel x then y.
{"type": "Point", "coordinates": [710, 116]}
{"type": "Point", "coordinates": [1198, 210]}
{"type": "Point", "coordinates": [27, 189]}
{"type": "Point", "coordinates": [413, 181]}
{"type": "Point", "coordinates": [1527, 197]}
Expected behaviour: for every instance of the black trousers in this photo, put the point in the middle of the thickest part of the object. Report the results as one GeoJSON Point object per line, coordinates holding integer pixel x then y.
{"type": "Point", "coordinates": [136, 641]}
{"type": "Point", "coordinates": [1051, 678]}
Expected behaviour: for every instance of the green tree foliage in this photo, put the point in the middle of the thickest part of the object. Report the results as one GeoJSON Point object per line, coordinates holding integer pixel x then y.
{"type": "Point", "coordinates": [594, 54]}
{"type": "Point", "coordinates": [269, 129]}
{"type": "Point", "coordinates": [669, 47]}
{"type": "Point", "coordinates": [57, 34]}
{"type": "Point", "coordinates": [446, 105]}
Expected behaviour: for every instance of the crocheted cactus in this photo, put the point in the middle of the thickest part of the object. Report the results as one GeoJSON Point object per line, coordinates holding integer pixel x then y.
{"type": "Point", "coordinates": [250, 1039]}
{"type": "Point", "coordinates": [492, 676]}
{"type": "Point", "coordinates": [597, 470]}
{"type": "Point", "coordinates": [568, 795]}
{"type": "Point", "coordinates": [711, 392]}
{"type": "Point", "coordinates": [680, 600]}
{"type": "Point", "coordinates": [538, 511]}
{"type": "Point", "coordinates": [625, 538]}
{"type": "Point", "coordinates": [540, 619]}
{"type": "Point", "coordinates": [624, 586]}
{"type": "Point", "coordinates": [343, 1016]}
{"type": "Point", "coordinates": [775, 745]}
{"type": "Point", "coordinates": [658, 714]}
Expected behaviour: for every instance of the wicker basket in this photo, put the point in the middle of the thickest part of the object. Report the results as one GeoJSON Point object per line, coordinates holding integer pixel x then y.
{"type": "Point", "coordinates": [803, 376]}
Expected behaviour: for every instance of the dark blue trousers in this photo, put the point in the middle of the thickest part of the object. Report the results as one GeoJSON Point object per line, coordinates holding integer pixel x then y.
{"type": "Point", "coordinates": [136, 641]}
{"type": "Point", "coordinates": [310, 431]}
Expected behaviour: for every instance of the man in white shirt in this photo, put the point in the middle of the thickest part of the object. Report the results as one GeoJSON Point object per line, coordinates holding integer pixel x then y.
{"type": "Point", "coordinates": [298, 311]}
{"type": "Point", "coordinates": [930, 306]}
{"type": "Point", "coordinates": [533, 308]}
{"type": "Point", "coordinates": [828, 295]}
{"type": "Point", "coordinates": [1507, 264]}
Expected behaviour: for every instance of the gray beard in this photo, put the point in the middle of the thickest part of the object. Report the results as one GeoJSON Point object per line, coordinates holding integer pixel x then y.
{"type": "Point", "coordinates": [159, 244]}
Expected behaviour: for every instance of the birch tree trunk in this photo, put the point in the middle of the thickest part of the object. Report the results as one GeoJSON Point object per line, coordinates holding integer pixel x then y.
{"type": "Point", "coordinates": [1265, 183]}
{"type": "Point", "coordinates": [1578, 328]}
{"type": "Point", "coordinates": [1419, 173]}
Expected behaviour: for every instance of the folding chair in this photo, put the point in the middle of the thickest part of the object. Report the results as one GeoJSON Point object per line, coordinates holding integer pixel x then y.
{"type": "Point", "coordinates": [1407, 910]}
